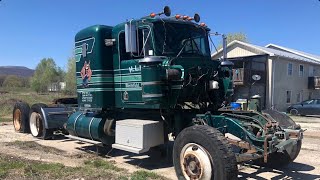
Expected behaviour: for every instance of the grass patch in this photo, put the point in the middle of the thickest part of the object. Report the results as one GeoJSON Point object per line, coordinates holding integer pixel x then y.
{"type": "Point", "coordinates": [31, 145]}
{"type": "Point", "coordinates": [142, 175]}
{"type": "Point", "coordinates": [5, 119]}
{"type": "Point", "coordinates": [18, 168]}
{"type": "Point", "coordinates": [7, 100]}
{"type": "Point", "coordinates": [99, 163]}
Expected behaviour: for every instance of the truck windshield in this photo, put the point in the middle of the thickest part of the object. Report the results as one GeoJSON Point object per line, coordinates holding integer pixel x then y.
{"type": "Point", "coordinates": [177, 39]}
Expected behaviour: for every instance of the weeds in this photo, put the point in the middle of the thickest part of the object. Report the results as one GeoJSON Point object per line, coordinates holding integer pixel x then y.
{"type": "Point", "coordinates": [5, 119]}
{"type": "Point", "coordinates": [99, 163]}
{"type": "Point", "coordinates": [31, 145]}
{"type": "Point", "coordinates": [19, 168]}
{"type": "Point", "coordinates": [143, 175]}
{"type": "Point", "coordinates": [8, 99]}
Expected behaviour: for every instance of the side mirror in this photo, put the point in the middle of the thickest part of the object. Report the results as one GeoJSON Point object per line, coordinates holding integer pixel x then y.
{"type": "Point", "coordinates": [130, 37]}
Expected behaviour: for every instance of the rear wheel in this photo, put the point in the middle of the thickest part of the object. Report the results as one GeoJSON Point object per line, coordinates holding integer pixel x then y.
{"type": "Point", "coordinates": [20, 117]}
{"type": "Point", "coordinates": [36, 122]}
{"type": "Point", "coordinates": [202, 152]}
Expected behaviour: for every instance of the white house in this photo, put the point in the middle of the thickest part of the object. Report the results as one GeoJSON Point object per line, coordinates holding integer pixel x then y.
{"type": "Point", "coordinates": [288, 76]}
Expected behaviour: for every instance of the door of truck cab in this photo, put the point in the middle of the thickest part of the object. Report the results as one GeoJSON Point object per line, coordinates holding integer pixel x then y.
{"type": "Point", "coordinates": [130, 70]}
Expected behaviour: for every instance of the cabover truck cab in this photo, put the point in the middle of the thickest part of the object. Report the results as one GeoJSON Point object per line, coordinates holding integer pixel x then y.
{"type": "Point", "coordinates": [144, 80]}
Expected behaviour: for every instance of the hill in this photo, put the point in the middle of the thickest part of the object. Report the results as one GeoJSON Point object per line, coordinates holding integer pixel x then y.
{"type": "Point", "coordinates": [16, 70]}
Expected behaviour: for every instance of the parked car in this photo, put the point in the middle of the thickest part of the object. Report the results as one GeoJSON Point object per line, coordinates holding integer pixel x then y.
{"type": "Point", "coordinates": [308, 107]}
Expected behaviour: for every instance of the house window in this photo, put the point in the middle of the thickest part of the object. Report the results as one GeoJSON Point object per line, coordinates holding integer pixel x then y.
{"type": "Point", "coordinates": [288, 96]}
{"type": "Point", "coordinates": [289, 69]}
{"type": "Point", "coordinates": [301, 70]}
{"type": "Point", "coordinates": [311, 71]}
{"type": "Point", "coordinates": [299, 97]}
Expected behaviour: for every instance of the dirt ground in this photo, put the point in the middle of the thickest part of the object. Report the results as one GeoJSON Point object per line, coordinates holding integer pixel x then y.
{"type": "Point", "coordinates": [306, 166]}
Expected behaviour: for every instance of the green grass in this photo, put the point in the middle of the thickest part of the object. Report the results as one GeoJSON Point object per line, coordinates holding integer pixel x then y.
{"type": "Point", "coordinates": [142, 175]}
{"type": "Point", "coordinates": [5, 119]}
{"type": "Point", "coordinates": [31, 145]}
{"type": "Point", "coordinates": [14, 168]}
{"type": "Point", "coordinates": [19, 168]}
{"type": "Point", "coordinates": [99, 163]}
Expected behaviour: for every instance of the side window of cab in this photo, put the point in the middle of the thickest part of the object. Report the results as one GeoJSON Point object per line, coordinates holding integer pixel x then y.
{"type": "Point", "coordinates": [143, 45]}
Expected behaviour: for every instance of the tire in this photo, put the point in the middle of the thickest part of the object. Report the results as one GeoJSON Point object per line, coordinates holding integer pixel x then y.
{"type": "Point", "coordinates": [294, 112]}
{"type": "Point", "coordinates": [20, 117]}
{"type": "Point", "coordinates": [36, 122]}
{"type": "Point", "coordinates": [202, 152]}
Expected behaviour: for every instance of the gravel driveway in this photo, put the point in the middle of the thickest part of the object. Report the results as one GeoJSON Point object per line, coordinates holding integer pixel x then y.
{"type": "Point", "coordinates": [306, 166]}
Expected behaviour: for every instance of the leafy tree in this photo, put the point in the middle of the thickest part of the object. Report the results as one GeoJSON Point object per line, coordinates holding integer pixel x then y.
{"type": "Point", "coordinates": [70, 77]}
{"type": "Point", "coordinates": [235, 36]}
{"type": "Point", "coordinates": [26, 82]}
{"type": "Point", "coordinates": [2, 78]}
{"type": "Point", "coordinates": [45, 74]}
{"type": "Point", "coordinates": [13, 81]}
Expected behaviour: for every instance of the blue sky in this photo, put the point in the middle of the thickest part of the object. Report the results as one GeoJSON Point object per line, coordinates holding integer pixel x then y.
{"type": "Point", "coordinates": [34, 29]}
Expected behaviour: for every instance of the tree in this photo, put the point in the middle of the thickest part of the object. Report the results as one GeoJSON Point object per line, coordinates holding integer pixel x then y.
{"type": "Point", "coordinates": [45, 74]}
{"type": "Point", "coordinates": [13, 81]}
{"type": "Point", "coordinates": [70, 78]}
{"type": "Point", "coordinates": [235, 36]}
{"type": "Point", "coordinates": [2, 78]}
{"type": "Point", "coordinates": [26, 82]}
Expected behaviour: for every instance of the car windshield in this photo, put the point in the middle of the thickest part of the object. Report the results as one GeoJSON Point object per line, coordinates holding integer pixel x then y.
{"type": "Point", "coordinates": [177, 39]}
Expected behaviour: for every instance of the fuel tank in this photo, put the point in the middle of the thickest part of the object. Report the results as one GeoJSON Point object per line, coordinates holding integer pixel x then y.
{"type": "Point", "coordinates": [88, 126]}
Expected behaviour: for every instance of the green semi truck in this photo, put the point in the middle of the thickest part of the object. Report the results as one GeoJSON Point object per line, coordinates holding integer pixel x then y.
{"type": "Point", "coordinates": [144, 80]}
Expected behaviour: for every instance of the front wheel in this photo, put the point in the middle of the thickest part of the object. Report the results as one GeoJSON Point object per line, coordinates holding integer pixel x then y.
{"type": "Point", "coordinates": [202, 152]}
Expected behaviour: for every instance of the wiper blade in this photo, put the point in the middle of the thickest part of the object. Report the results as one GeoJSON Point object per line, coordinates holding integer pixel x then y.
{"type": "Point", "coordinates": [184, 45]}
{"type": "Point", "coordinates": [199, 52]}
{"type": "Point", "coordinates": [178, 53]}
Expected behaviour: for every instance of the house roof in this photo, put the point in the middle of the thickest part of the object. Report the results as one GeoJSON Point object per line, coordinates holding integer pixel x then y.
{"type": "Point", "coordinates": [304, 54]}
{"type": "Point", "coordinates": [276, 51]}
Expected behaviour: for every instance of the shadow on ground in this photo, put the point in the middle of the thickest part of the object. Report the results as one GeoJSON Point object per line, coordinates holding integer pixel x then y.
{"type": "Point", "coordinates": [292, 171]}
{"type": "Point", "coordinates": [156, 158]}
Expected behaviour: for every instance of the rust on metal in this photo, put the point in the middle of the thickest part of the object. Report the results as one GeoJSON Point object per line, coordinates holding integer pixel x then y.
{"type": "Point", "coordinates": [242, 144]}
{"type": "Point", "coordinates": [265, 150]}
{"type": "Point", "coordinates": [192, 166]}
